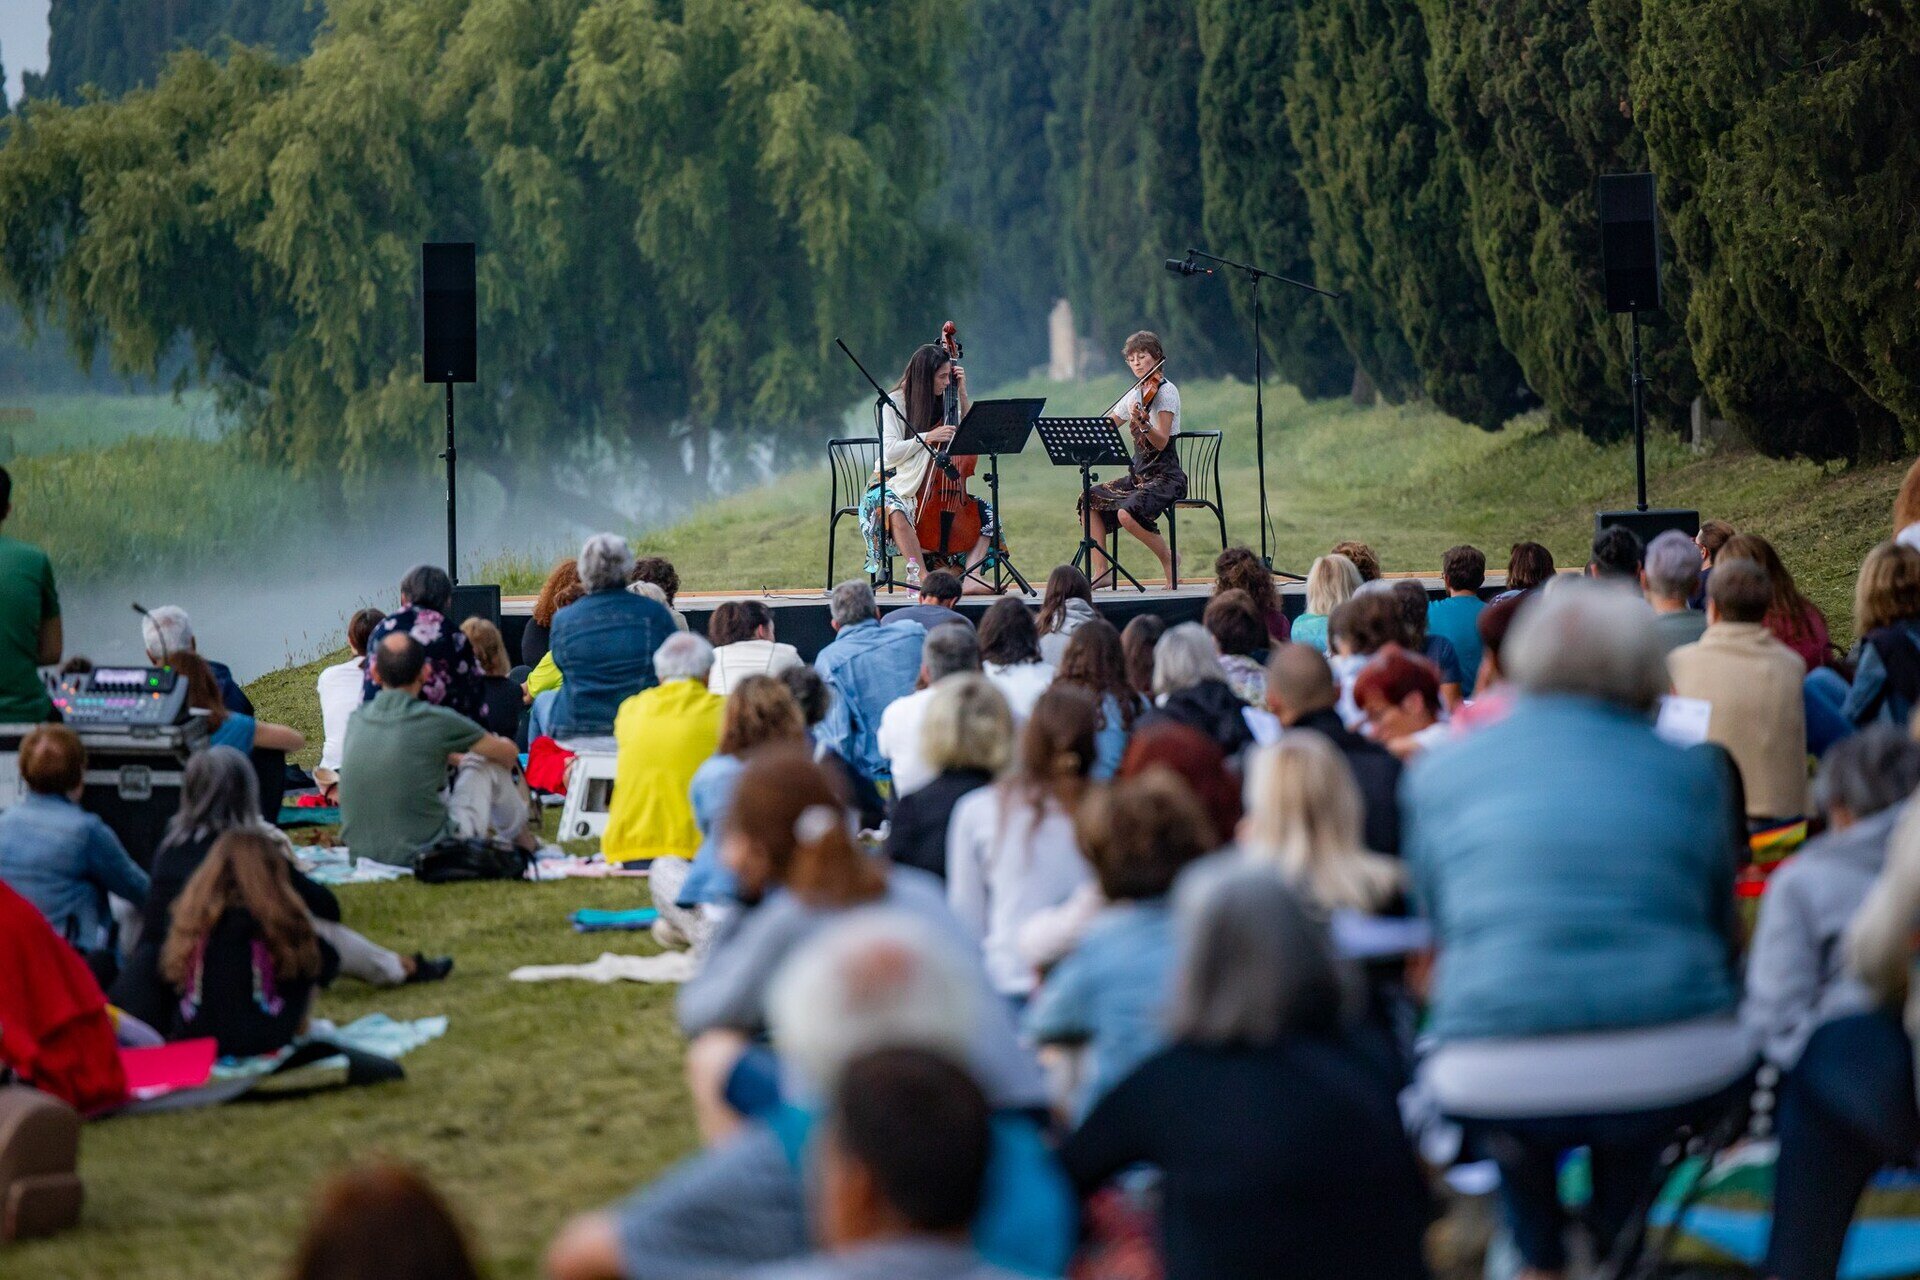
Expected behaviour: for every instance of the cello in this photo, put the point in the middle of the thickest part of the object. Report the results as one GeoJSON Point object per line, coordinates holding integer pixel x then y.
{"type": "Point", "coordinates": [948, 523]}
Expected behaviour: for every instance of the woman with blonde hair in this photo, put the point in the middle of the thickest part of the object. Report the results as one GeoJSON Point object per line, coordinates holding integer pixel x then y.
{"type": "Point", "coordinates": [1886, 617]}
{"type": "Point", "coordinates": [1304, 816]}
{"type": "Point", "coordinates": [1331, 582]}
{"type": "Point", "coordinates": [966, 739]}
{"type": "Point", "coordinates": [503, 706]}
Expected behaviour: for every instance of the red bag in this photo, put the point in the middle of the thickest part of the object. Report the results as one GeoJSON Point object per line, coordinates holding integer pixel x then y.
{"type": "Point", "coordinates": [547, 763]}
{"type": "Point", "coordinates": [55, 1031]}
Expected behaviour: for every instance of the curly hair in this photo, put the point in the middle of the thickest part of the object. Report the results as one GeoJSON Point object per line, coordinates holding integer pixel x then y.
{"type": "Point", "coordinates": [561, 589]}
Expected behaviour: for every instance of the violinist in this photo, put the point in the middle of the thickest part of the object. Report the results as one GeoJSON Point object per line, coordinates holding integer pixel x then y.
{"type": "Point", "coordinates": [1154, 480]}
{"type": "Point", "coordinates": [907, 449]}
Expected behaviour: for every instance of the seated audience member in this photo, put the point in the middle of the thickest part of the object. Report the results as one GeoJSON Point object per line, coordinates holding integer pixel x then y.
{"type": "Point", "coordinates": [168, 630]}
{"type": "Point", "coordinates": [1796, 969]}
{"type": "Point", "coordinates": [1331, 582]}
{"type": "Point", "coordinates": [30, 630]}
{"type": "Point", "coordinates": [796, 866]}
{"type": "Point", "coordinates": [867, 668]}
{"type": "Point", "coordinates": [1906, 509]}
{"type": "Point", "coordinates": [1362, 557]}
{"type": "Point", "coordinates": [1886, 611]}
{"type": "Point", "coordinates": [59, 1036]}
{"type": "Point", "coordinates": [741, 632]}
{"type": "Point", "coordinates": [1668, 579]}
{"type": "Point", "coordinates": [1794, 620]}
{"type": "Point", "coordinates": [242, 955]}
{"type": "Point", "coordinates": [1197, 761]}
{"type": "Point", "coordinates": [1463, 571]}
{"type": "Point", "coordinates": [219, 792]}
{"type": "Point", "coordinates": [385, 1221]}
{"type": "Point", "coordinates": [1190, 687]}
{"type": "Point", "coordinates": [1138, 639]}
{"type": "Point", "coordinates": [451, 679]}
{"type": "Point", "coordinates": [656, 571]}
{"type": "Point", "coordinates": [949, 650]}
{"type": "Point", "coordinates": [1108, 996]}
{"type": "Point", "coordinates": [339, 688]}
{"type": "Point", "coordinates": [1529, 567]}
{"type": "Point", "coordinates": [502, 715]}
{"type": "Point", "coordinates": [603, 644]}
{"type": "Point", "coordinates": [1753, 684]}
{"type": "Point", "coordinates": [1010, 655]}
{"type": "Point", "coordinates": [1011, 848]}
{"type": "Point", "coordinates": [1360, 628]}
{"type": "Point", "coordinates": [1238, 569]}
{"type": "Point", "coordinates": [1301, 691]}
{"type": "Point", "coordinates": [815, 700]}
{"type": "Point", "coordinates": [1064, 609]}
{"type": "Point", "coordinates": [664, 734]}
{"type": "Point", "coordinates": [1399, 693]}
{"type": "Point", "coordinates": [226, 728]}
{"type": "Point", "coordinates": [394, 796]}
{"type": "Point", "coordinates": [1553, 1026]}
{"type": "Point", "coordinates": [966, 738]}
{"type": "Point", "coordinates": [1096, 660]}
{"type": "Point", "coordinates": [1278, 1138]}
{"type": "Point", "coordinates": [760, 712]}
{"type": "Point", "coordinates": [1415, 638]}
{"type": "Point", "coordinates": [1304, 817]}
{"type": "Point", "coordinates": [939, 592]}
{"type": "Point", "coordinates": [59, 857]}
{"type": "Point", "coordinates": [1242, 641]}
{"type": "Point", "coordinates": [561, 589]}
{"type": "Point", "coordinates": [1618, 555]}
{"type": "Point", "coordinates": [1493, 695]}
{"type": "Point", "coordinates": [877, 980]}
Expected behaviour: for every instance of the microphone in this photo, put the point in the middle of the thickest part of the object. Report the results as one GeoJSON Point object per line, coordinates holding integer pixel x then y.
{"type": "Point", "coordinates": [1187, 267]}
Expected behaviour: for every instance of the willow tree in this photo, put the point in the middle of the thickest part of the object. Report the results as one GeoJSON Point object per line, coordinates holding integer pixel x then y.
{"type": "Point", "coordinates": [112, 46]}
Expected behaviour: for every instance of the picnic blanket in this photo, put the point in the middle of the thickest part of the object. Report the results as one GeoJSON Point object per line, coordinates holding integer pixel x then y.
{"type": "Point", "coordinates": [306, 1061]}
{"type": "Point", "coordinates": [552, 864]}
{"type": "Point", "coordinates": [334, 865]}
{"type": "Point", "coordinates": [292, 815]}
{"type": "Point", "coordinates": [594, 920]}
{"type": "Point", "coordinates": [668, 966]}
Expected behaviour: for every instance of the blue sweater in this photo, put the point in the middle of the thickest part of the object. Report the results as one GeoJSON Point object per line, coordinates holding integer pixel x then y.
{"type": "Point", "coordinates": [66, 861]}
{"type": "Point", "coordinates": [1578, 872]}
{"type": "Point", "coordinates": [603, 644]}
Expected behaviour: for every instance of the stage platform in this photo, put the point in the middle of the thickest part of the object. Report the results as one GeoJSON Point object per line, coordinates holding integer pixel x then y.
{"type": "Point", "coordinates": [800, 616]}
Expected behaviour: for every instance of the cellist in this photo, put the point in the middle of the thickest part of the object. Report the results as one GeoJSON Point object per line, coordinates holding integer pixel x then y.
{"type": "Point", "coordinates": [907, 448]}
{"type": "Point", "coordinates": [1154, 480]}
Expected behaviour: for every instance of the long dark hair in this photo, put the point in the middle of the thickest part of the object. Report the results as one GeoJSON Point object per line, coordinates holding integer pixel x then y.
{"type": "Point", "coordinates": [1007, 636]}
{"type": "Point", "coordinates": [1239, 568]}
{"type": "Point", "coordinates": [203, 691]}
{"type": "Point", "coordinates": [923, 408]}
{"type": "Point", "coordinates": [1096, 662]}
{"type": "Point", "coordinates": [1063, 584]}
{"type": "Point", "coordinates": [1055, 750]}
{"type": "Point", "coordinates": [1137, 642]}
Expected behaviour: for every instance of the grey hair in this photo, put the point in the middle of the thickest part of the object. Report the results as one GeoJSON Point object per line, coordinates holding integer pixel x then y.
{"type": "Point", "coordinates": [684, 656]}
{"type": "Point", "coordinates": [1672, 566]}
{"type": "Point", "coordinates": [166, 630]}
{"type": "Point", "coordinates": [951, 648]}
{"type": "Point", "coordinates": [1590, 640]}
{"type": "Point", "coordinates": [606, 562]}
{"type": "Point", "coordinates": [427, 586]}
{"type": "Point", "coordinates": [1254, 963]}
{"type": "Point", "coordinates": [1871, 770]}
{"type": "Point", "coordinates": [1186, 656]}
{"type": "Point", "coordinates": [876, 979]}
{"type": "Point", "coordinates": [219, 791]}
{"type": "Point", "coordinates": [853, 602]}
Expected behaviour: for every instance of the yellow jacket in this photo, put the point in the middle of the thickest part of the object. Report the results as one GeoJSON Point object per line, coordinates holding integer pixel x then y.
{"type": "Point", "coordinates": [663, 734]}
{"type": "Point", "coordinates": [544, 676]}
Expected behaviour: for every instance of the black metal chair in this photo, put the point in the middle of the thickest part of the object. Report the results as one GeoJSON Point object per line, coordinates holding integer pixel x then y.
{"type": "Point", "coordinates": [850, 462]}
{"type": "Point", "coordinates": [1198, 453]}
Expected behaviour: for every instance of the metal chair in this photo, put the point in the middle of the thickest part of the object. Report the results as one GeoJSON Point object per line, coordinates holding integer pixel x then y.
{"type": "Point", "coordinates": [1198, 453]}
{"type": "Point", "coordinates": [850, 462]}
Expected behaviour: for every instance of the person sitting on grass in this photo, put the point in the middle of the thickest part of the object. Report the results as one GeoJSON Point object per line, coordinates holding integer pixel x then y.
{"type": "Point", "coordinates": [940, 591]}
{"type": "Point", "coordinates": [1233, 621]}
{"type": "Point", "coordinates": [339, 689]}
{"type": "Point", "coordinates": [451, 678]}
{"type": "Point", "coordinates": [1331, 582]}
{"type": "Point", "coordinates": [1064, 609]}
{"type": "Point", "coordinates": [1669, 574]}
{"type": "Point", "coordinates": [227, 728]}
{"type": "Point", "coordinates": [760, 712]}
{"type": "Point", "coordinates": [1010, 655]}
{"type": "Point", "coordinates": [659, 572]}
{"type": "Point", "coordinates": [385, 1221]}
{"type": "Point", "coordinates": [1886, 610]}
{"type": "Point", "coordinates": [1792, 618]}
{"type": "Point", "coordinates": [561, 589]}
{"type": "Point", "coordinates": [1302, 693]}
{"type": "Point", "coordinates": [1399, 693]}
{"type": "Point", "coordinates": [603, 644]}
{"type": "Point", "coordinates": [950, 650]}
{"type": "Point", "coordinates": [1463, 571]}
{"type": "Point", "coordinates": [867, 667]}
{"type": "Point", "coordinates": [815, 700]}
{"type": "Point", "coordinates": [741, 632]}
{"type": "Point", "coordinates": [966, 738]}
{"type": "Point", "coordinates": [168, 630]}
{"type": "Point", "coordinates": [1190, 687]}
{"type": "Point", "coordinates": [394, 795]}
{"type": "Point", "coordinates": [30, 629]}
{"type": "Point", "coordinates": [503, 696]}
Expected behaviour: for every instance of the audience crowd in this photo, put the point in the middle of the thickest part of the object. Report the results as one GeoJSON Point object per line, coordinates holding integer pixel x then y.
{"type": "Point", "coordinates": [1194, 950]}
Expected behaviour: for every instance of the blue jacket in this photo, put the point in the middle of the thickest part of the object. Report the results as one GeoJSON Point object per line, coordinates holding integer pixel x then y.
{"type": "Point", "coordinates": [709, 879]}
{"type": "Point", "coordinates": [867, 667]}
{"type": "Point", "coordinates": [603, 644]}
{"type": "Point", "coordinates": [66, 861]}
{"type": "Point", "coordinates": [1578, 872]}
{"type": "Point", "coordinates": [1110, 993]}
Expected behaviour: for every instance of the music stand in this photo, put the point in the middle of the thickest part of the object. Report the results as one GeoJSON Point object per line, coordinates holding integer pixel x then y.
{"type": "Point", "coordinates": [1086, 443]}
{"type": "Point", "coordinates": [994, 427]}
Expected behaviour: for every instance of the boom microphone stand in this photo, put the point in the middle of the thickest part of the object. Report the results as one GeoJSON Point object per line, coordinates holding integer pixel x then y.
{"type": "Point", "coordinates": [1254, 276]}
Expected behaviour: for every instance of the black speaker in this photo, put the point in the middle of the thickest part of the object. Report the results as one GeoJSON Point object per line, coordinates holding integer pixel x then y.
{"type": "Point", "coordinates": [475, 600]}
{"type": "Point", "coordinates": [450, 314]}
{"type": "Point", "coordinates": [1648, 525]}
{"type": "Point", "coordinates": [1630, 241]}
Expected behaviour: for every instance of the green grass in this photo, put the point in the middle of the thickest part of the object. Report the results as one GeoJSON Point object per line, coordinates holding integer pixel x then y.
{"type": "Point", "coordinates": [95, 420]}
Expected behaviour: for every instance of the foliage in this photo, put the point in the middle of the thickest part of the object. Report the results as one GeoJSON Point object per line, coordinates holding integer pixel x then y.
{"type": "Point", "coordinates": [1256, 210]}
{"type": "Point", "coordinates": [1388, 211]}
{"type": "Point", "coordinates": [1787, 137]}
{"type": "Point", "coordinates": [112, 46]}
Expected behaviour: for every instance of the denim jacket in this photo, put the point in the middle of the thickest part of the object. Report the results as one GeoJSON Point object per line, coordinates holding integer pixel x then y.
{"type": "Point", "coordinates": [867, 667]}
{"type": "Point", "coordinates": [65, 861]}
{"type": "Point", "coordinates": [603, 644]}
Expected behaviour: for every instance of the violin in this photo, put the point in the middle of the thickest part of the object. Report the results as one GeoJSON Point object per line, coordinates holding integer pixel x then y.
{"type": "Point", "coordinates": [1138, 422]}
{"type": "Point", "coordinates": [948, 524]}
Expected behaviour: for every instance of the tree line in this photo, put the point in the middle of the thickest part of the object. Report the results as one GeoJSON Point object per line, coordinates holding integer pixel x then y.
{"type": "Point", "coordinates": [681, 203]}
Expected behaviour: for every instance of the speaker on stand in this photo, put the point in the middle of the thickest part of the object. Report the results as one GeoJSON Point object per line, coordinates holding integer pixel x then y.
{"type": "Point", "coordinates": [449, 353]}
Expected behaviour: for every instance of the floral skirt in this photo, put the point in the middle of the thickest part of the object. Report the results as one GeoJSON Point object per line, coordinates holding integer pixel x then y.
{"type": "Point", "coordinates": [878, 500]}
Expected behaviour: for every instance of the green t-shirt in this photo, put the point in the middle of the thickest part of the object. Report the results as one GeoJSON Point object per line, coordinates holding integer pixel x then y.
{"type": "Point", "coordinates": [27, 599]}
{"type": "Point", "coordinates": [393, 768]}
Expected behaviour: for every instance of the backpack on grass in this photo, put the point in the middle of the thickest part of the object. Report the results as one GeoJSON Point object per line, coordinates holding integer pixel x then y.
{"type": "Point", "coordinates": [454, 859]}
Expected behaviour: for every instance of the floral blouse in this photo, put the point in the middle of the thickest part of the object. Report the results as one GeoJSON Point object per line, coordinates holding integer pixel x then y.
{"type": "Point", "coordinates": [454, 679]}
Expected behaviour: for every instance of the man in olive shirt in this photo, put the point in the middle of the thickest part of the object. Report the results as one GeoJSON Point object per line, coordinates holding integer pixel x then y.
{"type": "Point", "coordinates": [29, 623]}
{"type": "Point", "coordinates": [394, 797]}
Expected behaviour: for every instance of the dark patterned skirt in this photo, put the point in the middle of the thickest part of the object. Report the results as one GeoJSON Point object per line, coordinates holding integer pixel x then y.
{"type": "Point", "coordinates": [1144, 495]}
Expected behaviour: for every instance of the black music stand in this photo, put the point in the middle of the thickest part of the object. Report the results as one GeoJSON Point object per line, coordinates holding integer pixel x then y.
{"type": "Point", "coordinates": [994, 427]}
{"type": "Point", "coordinates": [1086, 443]}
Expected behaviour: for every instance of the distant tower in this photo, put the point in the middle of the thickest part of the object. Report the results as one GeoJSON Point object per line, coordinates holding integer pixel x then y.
{"type": "Point", "coordinates": [1063, 346]}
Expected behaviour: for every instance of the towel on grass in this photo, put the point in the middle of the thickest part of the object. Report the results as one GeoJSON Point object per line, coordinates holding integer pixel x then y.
{"type": "Point", "coordinates": [555, 865]}
{"type": "Point", "coordinates": [375, 1034]}
{"type": "Point", "coordinates": [594, 920]}
{"type": "Point", "coordinates": [307, 816]}
{"type": "Point", "coordinates": [334, 865]}
{"type": "Point", "coordinates": [668, 966]}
